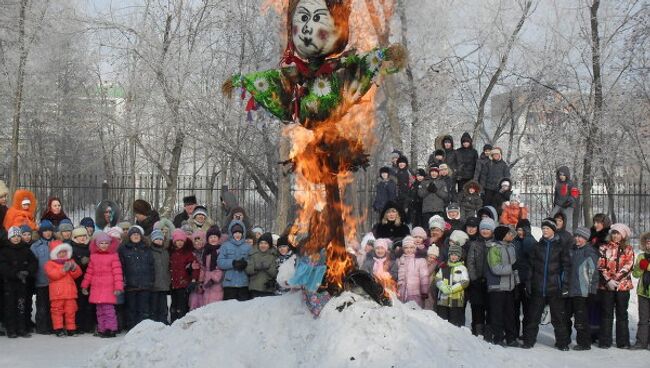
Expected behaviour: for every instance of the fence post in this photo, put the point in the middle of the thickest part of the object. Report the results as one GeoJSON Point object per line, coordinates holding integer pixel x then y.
{"type": "Point", "coordinates": [105, 189]}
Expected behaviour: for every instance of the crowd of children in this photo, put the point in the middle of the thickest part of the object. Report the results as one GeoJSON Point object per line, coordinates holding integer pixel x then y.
{"type": "Point", "coordinates": [107, 275]}
{"type": "Point", "coordinates": [107, 278]}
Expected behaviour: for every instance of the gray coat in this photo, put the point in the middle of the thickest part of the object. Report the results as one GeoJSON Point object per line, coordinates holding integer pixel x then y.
{"type": "Point", "coordinates": [162, 277]}
{"type": "Point", "coordinates": [499, 273]}
{"type": "Point", "coordinates": [584, 271]}
{"type": "Point", "coordinates": [437, 200]}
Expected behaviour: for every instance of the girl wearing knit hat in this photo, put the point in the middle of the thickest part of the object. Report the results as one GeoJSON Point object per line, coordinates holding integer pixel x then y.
{"type": "Point", "coordinates": [412, 275]}
{"type": "Point", "coordinates": [198, 242]}
{"type": "Point", "coordinates": [379, 263]}
{"type": "Point", "coordinates": [139, 272]}
{"type": "Point", "coordinates": [419, 237]}
{"type": "Point", "coordinates": [211, 276]}
{"type": "Point", "coordinates": [183, 275]}
{"type": "Point", "coordinates": [615, 265]}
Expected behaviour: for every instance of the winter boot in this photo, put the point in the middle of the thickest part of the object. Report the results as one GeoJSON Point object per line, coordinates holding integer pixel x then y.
{"type": "Point", "coordinates": [71, 333]}
{"type": "Point", "coordinates": [581, 348]}
{"type": "Point", "coordinates": [25, 334]}
{"type": "Point", "coordinates": [59, 333]}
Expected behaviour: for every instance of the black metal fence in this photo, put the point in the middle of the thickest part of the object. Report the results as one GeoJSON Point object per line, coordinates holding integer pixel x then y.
{"type": "Point", "coordinates": [80, 195]}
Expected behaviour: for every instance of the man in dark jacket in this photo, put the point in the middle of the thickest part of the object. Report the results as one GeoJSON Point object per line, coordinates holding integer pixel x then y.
{"type": "Point", "coordinates": [481, 165]}
{"type": "Point", "coordinates": [385, 190]}
{"type": "Point", "coordinates": [524, 245]}
{"type": "Point", "coordinates": [450, 153]}
{"type": "Point", "coordinates": [496, 170]}
{"type": "Point", "coordinates": [404, 177]}
{"type": "Point", "coordinates": [550, 267]}
{"type": "Point", "coordinates": [145, 216]}
{"type": "Point", "coordinates": [436, 159]}
{"type": "Point", "coordinates": [566, 195]}
{"type": "Point", "coordinates": [189, 203]}
{"type": "Point", "coordinates": [466, 157]}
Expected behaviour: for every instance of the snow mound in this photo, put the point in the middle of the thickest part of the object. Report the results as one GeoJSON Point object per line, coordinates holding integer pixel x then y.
{"type": "Point", "coordinates": [280, 332]}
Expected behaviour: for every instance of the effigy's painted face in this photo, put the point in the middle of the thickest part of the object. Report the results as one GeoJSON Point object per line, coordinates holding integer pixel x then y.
{"type": "Point", "coordinates": [313, 29]}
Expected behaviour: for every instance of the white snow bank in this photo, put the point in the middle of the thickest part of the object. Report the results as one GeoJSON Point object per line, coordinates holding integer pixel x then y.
{"type": "Point", "coordinates": [280, 332]}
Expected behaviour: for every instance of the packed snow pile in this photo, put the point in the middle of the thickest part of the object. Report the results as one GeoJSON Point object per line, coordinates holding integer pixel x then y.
{"type": "Point", "coordinates": [280, 332]}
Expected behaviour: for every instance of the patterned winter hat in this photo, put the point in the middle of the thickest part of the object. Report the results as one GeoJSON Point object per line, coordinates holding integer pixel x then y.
{"type": "Point", "coordinates": [157, 235]}
{"type": "Point", "coordinates": [13, 232]}
{"type": "Point", "coordinates": [487, 224]}
{"type": "Point", "coordinates": [383, 243]}
{"type": "Point", "coordinates": [135, 229]}
{"type": "Point", "coordinates": [408, 241]}
{"type": "Point", "coordinates": [455, 249]}
{"type": "Point", "coordinates": [437, 222]}
{"type": "Point", "coordinates": [200, 210]}
{"type": "Point", "coordinates": [550, 223]}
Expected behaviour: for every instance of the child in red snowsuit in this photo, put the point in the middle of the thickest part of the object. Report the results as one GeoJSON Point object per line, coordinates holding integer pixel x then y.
{"type": "Point", "coordinates": [61, 271]}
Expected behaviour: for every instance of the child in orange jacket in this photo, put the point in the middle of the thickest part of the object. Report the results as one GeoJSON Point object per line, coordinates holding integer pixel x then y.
{"type": "Point", "coordinates": [61, 270]}
{"type": "Point", "coordinates": [513, 210]}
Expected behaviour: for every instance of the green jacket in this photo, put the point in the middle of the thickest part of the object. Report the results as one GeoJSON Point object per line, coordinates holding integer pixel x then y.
{"type": "Point", "coordinates": [451, 282]}
{"type": "Point", "coordinates": [642, 289]}
{"type": "Point", "coordinates": [262, 270]}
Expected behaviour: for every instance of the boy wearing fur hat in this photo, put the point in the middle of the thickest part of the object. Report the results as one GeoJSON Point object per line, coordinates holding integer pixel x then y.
{"type": "Point", "coordinates": [615, 266]}
{"type": "Point", "coordinates": [502, 280]}
{"type": "Point", "coordinates": [385, 190]}
{"type": "Point", "coordinates": [62, 271]}
{"type": "Point", "coordinates": [549, 284]}
{"type": "Point", "coordinates": [41, 249]}
{"type": "Point", "coordinates": [642, 272]}
{"type": "Point", "coordinates": [584, 282]}
{"type": "Point", "coordinates": [65, 230]}
{"type": "Point", "coordinates": [139, 271]}
{"type": "Point", "coordinates": [162, 277]}
{"type": "Point", "coordinates": [17, 265]}
{"type": "Point", "coordinates": [145, 216]}
{"type": "Point", "coordinates": [81, 255]}
{"type": "Point", "coordinates": [451, 282]}
{"type": "Point", "coordinates": [200, 219]}
{"type": "Point", "coordinates": [189, 203]}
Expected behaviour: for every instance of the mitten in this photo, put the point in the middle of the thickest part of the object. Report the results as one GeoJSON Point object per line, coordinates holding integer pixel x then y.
{"type": "Point", "coordinates": [67, 266]}
{"type": "Point", "coordinates": [84, 291]}
{"type": "Point", "coordinates": [431, 188]}
{"type": "Point", "coordinates": [612, 285]}
{"type": "Point", "coordinates": [235, 264]}
{"type": "Point", "coordinates": [242, 264]}
{"type": "Point", "coordinates": [643, 264]}
{"type": "Point", "coordinates": [85, 260]}
{"type": "Point", "coordinates": [445, 289]}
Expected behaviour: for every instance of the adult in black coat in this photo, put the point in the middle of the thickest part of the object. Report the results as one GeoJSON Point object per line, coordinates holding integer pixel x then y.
{"type": "Point", "coordinates": [466, 157]}
{"type": "Point", "coordinates": [17, 266]}
{"type": "Point", "coordinates": [403, 177]}
{"type": "Point", "coordinates": [385, 190]}
{"type": "Point", "coordinates": [189, 203]}
{"type": "Point", "coordinates": [391, 224]}
{"type": "Point", "coordinates": [145, 216]}
{"type": "Point", "coordinates": [550, 267]}
{"type": "Point", "coordinates": [450, 153]}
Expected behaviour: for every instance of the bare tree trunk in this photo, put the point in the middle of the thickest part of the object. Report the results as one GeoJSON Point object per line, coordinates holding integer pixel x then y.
{"type": "Point", "coordinates": [284, 198]}
{"type": "Point", "coordinates": [480, 118]}
{"type": "Point", "coordinates": [172, 176]}
{"type": "Point", "coordinates": [412, 91]}
{"type": "Point", "coordinates": [590, 145]}
{"type": "Point", "coordinates": [18, 98]}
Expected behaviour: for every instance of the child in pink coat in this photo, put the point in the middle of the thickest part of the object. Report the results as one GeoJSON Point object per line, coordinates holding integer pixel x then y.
{"type": "Point", "coordinates": [211, 275]}
{"type": "Point", "coordinates": [104, 278]}
{"type": "Point", "coordinates": [412, 275]}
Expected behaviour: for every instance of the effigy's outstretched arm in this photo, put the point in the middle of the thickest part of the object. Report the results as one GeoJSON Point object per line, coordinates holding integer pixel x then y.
{"type": "Point", "coordinates": [362, 69]}
{"type": "Point", "coordinates": [269, 89]}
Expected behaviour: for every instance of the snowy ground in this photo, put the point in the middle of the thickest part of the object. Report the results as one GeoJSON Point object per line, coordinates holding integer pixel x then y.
{"type": "Point", "coordinates": [279, 332]}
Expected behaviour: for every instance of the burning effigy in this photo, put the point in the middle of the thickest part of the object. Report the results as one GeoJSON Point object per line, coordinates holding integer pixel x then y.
{"type": "Point", "coordinates": [323, 90]}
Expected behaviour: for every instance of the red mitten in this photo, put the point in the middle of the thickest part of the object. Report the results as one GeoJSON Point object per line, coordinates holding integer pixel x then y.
{"type": "Point", "coordinates": [643, 264]}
